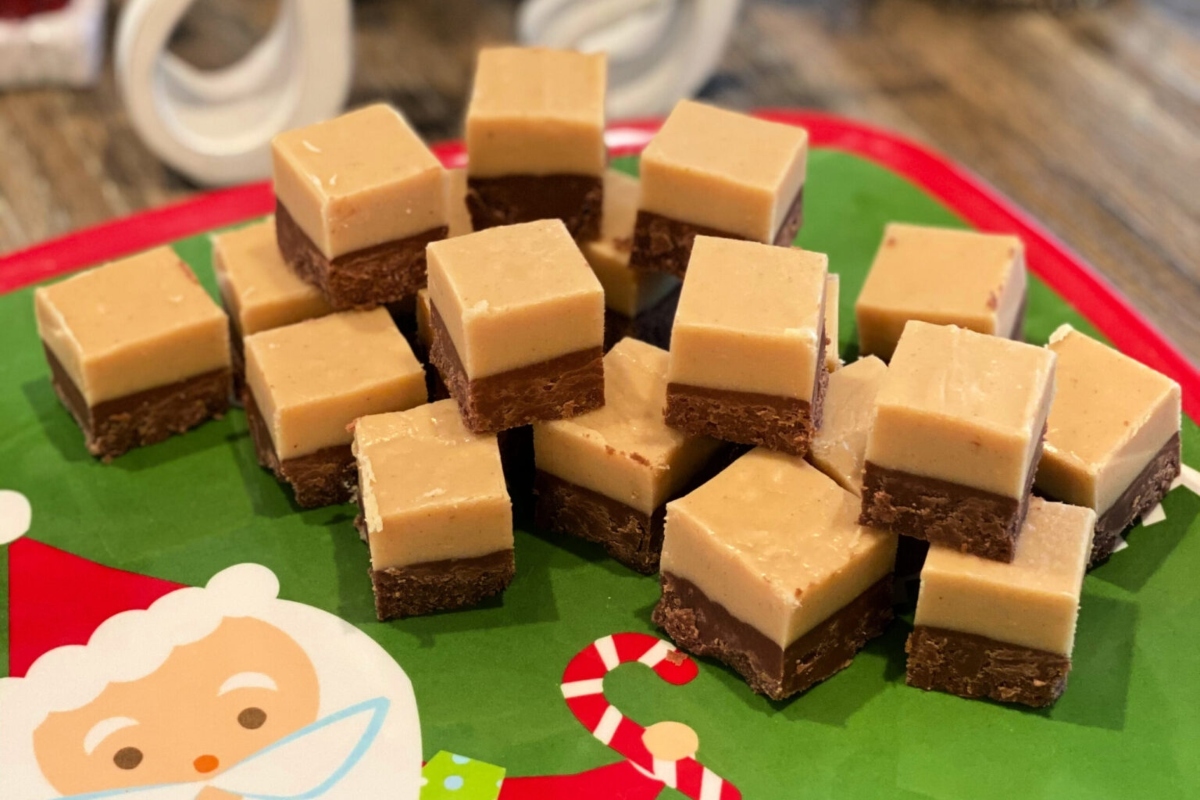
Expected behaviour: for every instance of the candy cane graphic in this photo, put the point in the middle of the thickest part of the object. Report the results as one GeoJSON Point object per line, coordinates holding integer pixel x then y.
{"type": "Point", "coordinates": [583, 689]}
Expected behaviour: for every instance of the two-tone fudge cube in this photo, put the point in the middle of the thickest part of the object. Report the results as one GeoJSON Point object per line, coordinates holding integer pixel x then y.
{"type": "Point", "coordinates": [518, 325]}
{"type": "Point", "coordinates": [766, 568]}
{"type": "Point", "coordinates": [839, 448]}
{"type": "Point", "coordinates": [535, 138]}
{"type": "Point", "coordinates": [1112, 440]}
{"type": "Point", "coordinates": [956, 438]}
{"type": "Point", "coordinates": [137, 350]}
{"type": "Point", "coordinates": [607, 475]}
{"type": "Point", "coordinates": [943, 276]}
{"type": "Point", "coordinates": [358, 198]}
{"type": "Point", "coordinates": [717, 173]}
{"type": "Point", "coordinates": [307, 382]}
{"type": "Point", "coordinates": [258, 289]}
{"type": "Point", "coordinates": [984, 628]}
{"type": "Point", "coordinates": [435, 512]}
{"type": "Point", "coordinates": [636, 303]}
{"type": "Point", "coordinates": [748, 345]}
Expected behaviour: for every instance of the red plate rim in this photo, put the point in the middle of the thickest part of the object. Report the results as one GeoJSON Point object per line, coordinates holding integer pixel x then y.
{"type": "Point", "coordinates": [969, 195]}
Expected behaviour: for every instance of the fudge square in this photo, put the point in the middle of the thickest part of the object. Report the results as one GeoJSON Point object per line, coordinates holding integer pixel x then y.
{"type": "Point", "coordinates": [137, 350]}
{"type": "Point", "coordinates": [839, 448]}
{"type": "Point", "coordinates": [258, 289]}
{"type": "Point", "coordinates": [766, 568]}
{"type": "Point", "coordinates": [358, 198]}
{"type": "Point", "coordinates": [435, 513]}
{"type": "Point", "coordinates": [637, 303]}
{"type": "Point", "coordinates": [518, 325]}
{"type": "Point", "coordinates": [535, 138]}
{"type": "Point", "coordinates": [956, 438]}
{"type": "Point", "coordinates": [1004, 631]}
{"type": "Point", "coordinates": [718, 173]}
{"type": "Point", "coordinates": [1112, 440]}
{"type": "Point", "coordinates": [944, 276]}
{"type": "Point", "coordinates": [606, 475]}
{"type": "Point", "coordinates": [305, 383]}
{"type": "Point", "coordinates": [748, 345]}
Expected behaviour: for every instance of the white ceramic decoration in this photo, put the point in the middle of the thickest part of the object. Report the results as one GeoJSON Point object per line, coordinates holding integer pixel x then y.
{"type": "Point", "coordinates": [63, 46]}
{"type": "Point", "coordinates": [216, 126]}
{"type": "Point", "coordinates": [659, 50]}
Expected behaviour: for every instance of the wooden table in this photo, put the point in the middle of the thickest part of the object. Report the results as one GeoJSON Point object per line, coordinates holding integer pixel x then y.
{"type": "Point", "coordinates": [1091, 121]}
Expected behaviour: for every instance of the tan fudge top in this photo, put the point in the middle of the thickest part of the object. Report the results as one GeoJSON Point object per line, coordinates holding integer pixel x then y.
{"type": "Point", "coordinates": [515, 296]}
{"type": "Point", "coordinates": [132, 325]}
{"type": "Point", "coordinates": [833, 287]}
{"type": "Point", "coordinates": [1111, 415]}
{"type": "Point", "coordinates": [839, 446]}
{"type": "Point", "coordinates": [940, 275]}
{"type": "Point", "coordinates": [962, 407]}
{"type": "Point", "coordinates": [750, 318]}
{"type": "Point", "coordinates": [536, 111]}
{"type": "Point", "coordinates": [457, 215]}
{"type": "Point", "coordinates": [776, 543]}
{"type": "Point", "coordinates": [359, 180]}
{"type": "Point", "coordinates": [312, 379]}
{"type": "Point", "coordinates": [1033, 601]}
{"type": "Point", "coordinates": [431, 490]}
{"type": "Point", "coordinates": [624, 450]}
{"type": "Point", "coordinates": [724, 170]}
{"type": "Point", "coordinates": [259, 289]}
{"type": "Point", "coordinates": [424, 318]}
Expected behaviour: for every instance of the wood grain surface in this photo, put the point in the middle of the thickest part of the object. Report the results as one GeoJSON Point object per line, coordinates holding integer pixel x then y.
{"type": "Point", "coordinates": [1090, 120]}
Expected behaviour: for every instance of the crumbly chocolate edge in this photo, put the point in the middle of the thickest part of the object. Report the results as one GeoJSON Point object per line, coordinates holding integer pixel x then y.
{"type": "Point", "coordinates": [511, 199]}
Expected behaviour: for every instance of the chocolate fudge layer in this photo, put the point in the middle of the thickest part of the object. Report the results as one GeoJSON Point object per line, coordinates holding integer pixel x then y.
{"type": "Point", "coordinates": [748, 345]}
{"type": "Point", "coordinates": [839, 447]}
{"type": "Point", "coordinates": [441, 585]}
{"type": "Point", "coordinates": [956, 438]}
{"type": "Point", "coordinates": [945, 277]}
{"type": "Point", "coordinates": [137, 350]}
{"type": "Point", "coordinates": [766, 567]}
{"type": "Point", "coordinates": [535, 139]}
{"type": "Point", "coordinates": [1112, 442]}
{"type": "Point", "coordinates": [423, 347]}
{"type": "Point", "coordinates": [356, 226]}
{"type": "Point", "coordinates": [717, 173]}
{"type": "Point", "coordinates": [1005, 631]}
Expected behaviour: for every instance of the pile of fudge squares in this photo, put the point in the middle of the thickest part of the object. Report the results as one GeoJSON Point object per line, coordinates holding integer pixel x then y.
{"type": "Point", "coordinates": [445, 346]}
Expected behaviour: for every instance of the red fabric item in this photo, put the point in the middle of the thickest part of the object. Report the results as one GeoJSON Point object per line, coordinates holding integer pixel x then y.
{"type": "Point", "coordinates": [19, 9]}
{"type": "Point", "coordinates": [620, 781]}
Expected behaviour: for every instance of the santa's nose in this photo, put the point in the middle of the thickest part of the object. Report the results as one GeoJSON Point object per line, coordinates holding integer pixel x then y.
{"type": "Point", "coordinates": [206, 763]}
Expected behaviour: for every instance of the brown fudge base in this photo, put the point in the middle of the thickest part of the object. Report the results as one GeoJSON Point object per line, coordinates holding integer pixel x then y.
{"type": "Point", "coordinates": [560, 388]}
{"type": "Point", "coordinates": [652, 325]}
{"type": "Point", "coordinates": [575, 199]}
{"type": "Point", "coordinates": [943, 513]}
{"type": "Point", "coordinates": [440, 585]}
{"type": "Point", "coordinates": [324, 478]}
{"type": "Point", "coordinates": [374, 276]}
{"type": "Point", "coordinates": [114, 427]}
{"type": "Point", "coordinates": [1147, 489]}
{"type": "Point", "coordinates": [705, 628]}
{"type": "Point", "coordinates": [663, 244]}
{"type": "Point", "coordinates": [975, 666]}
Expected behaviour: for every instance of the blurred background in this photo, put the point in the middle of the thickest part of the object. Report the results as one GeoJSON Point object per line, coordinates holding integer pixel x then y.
{"type": "Point", "coordinates": [1088, 117]}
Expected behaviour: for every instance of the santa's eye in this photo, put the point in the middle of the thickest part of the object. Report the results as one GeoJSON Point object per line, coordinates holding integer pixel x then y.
{"type": "Point", "coordinates": [252, 718]}
{"type": "Point", "coordinates": [128, 757]}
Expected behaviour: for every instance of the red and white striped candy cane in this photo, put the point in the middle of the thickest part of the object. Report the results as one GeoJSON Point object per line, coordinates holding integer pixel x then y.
{"type": "Point", "coordinates": [583, 689]}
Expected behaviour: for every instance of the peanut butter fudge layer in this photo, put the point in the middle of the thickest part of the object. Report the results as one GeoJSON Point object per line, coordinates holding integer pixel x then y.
{"type": "Point", "coordinates": [518, 325]}
{"type": "Point", "coordinates": [833, 286]}
{"type": "Point", "coordinates": [839, 448]}
{"type": "Point", "coordinates": [637, 304]}
{"type": "Point", "coordinates": [1112, 440]}
{"type": "Point", "coordinates": [1004, 631]}
{"type": "Point", "coordinates": [606, 475]}
{"type": "Point", "coordinates": [359, 197]}
{"type": "Point", "coordinates": [305, 384]}
{"type": "Point", "coordinates": [748, 345]}
{"type": "Point", "coordinates": [956, 438]}
{"type": "Point", "coordinates": [943, 276]}
{"type": "Point", "coordinates": [766, 568]}
{"type": "Point", "coordinates": [137, 351]}
{"type": "Point", "coordinates": [457, 214]}
{"type": "Point", "coordinates": [435, 512]}
{"type": "Point", "coordinates": [714, 172]}
{"type": "Point", "coordinates": [535, 139]}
